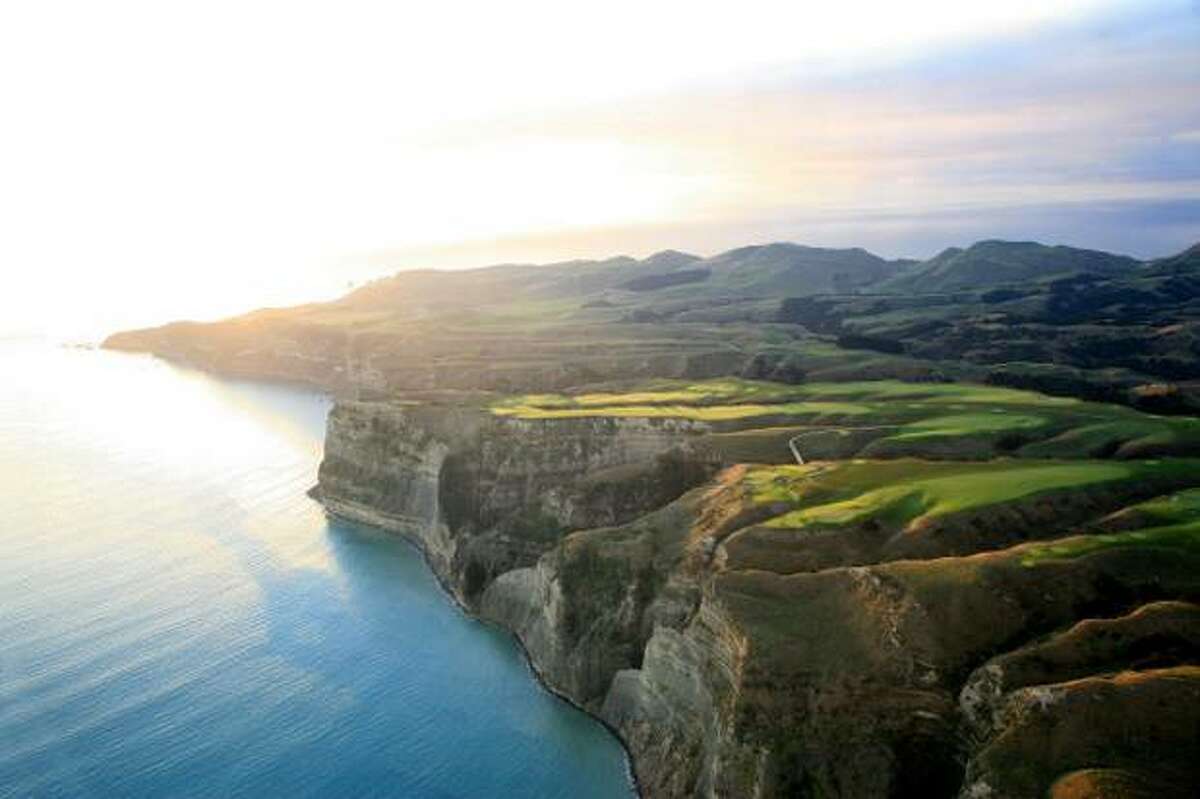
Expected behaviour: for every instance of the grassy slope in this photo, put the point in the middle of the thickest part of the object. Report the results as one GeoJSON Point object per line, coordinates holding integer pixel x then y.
{"type": "Point", "coordinates": [707, 413]}
{"type": "Point", "coordinates": [933, 419]}
{"type": "Point", "coordinates": [1171, 522]}
{"type": "Point", "coordinates": [844, 662]}
{"type": "Point", "coordinates": [901, 492]}
{"type": "Point", "coordinates": [931, 459]}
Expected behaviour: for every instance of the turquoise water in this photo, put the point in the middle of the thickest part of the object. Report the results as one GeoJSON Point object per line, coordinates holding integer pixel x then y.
{"type": "Point", "coordinates": [177, 618]}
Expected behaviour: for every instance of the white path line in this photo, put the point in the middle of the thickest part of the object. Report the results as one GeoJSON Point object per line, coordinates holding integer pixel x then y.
{"type": "Point", "coordinates": [796, 452]}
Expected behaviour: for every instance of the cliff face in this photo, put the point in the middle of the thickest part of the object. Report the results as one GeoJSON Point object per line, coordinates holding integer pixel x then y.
{"type": "Point", "coordinates": [621, 619]}
{"type": "Point", "coordinates": [608, 616]}
{"type": "Point", "coordinates": [613, 548]}
{"type": "Point", "coordinates": [487, 494]}
{"type": "Point", "coordinates": [382, 466]}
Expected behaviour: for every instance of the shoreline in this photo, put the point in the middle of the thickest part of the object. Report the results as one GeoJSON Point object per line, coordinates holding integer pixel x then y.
{"type": "Point", "coordinates": [380, 522]}
{"type": "Point", "coordinates": [331, 390]}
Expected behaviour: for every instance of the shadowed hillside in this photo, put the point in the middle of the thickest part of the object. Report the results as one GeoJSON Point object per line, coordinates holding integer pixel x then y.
{"type": "Point", "coordinates": [992, 263]}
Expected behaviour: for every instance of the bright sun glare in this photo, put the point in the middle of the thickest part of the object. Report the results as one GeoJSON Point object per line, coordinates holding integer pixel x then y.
{"type": "Point", "coordinates": [166, 162]}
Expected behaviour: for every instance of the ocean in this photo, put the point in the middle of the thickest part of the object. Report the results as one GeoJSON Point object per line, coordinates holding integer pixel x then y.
{"type": "Point", "coordinates": [178, 618]}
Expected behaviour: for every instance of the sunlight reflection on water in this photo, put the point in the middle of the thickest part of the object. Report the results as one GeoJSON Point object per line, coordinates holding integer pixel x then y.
{"type": "Point", "coordinates": [179, 618]}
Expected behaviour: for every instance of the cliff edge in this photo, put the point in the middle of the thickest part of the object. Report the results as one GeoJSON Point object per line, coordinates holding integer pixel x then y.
{"type": "Point", "coordinates": [938, 626]}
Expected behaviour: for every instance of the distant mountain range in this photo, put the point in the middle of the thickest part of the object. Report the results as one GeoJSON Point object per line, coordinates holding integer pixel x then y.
{"type": "Point", "coordinates": [990, 263]}
{"type": "Point", "coordinates": [774, 270]}
{"type": "Point", "coordinates": [999, 303]}
{"type": "Point", "coordinates": [1056, 318]}
{"type": "Point", "coordinates": [768, 270]}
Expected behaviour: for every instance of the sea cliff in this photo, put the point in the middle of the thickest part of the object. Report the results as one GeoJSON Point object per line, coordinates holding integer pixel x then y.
{"type": "Point", "coordinates": [617, 628]}
{"type": "Point", "coordinates": [862, 625]}
{"type": "Point", "coordinates": [651, 583]}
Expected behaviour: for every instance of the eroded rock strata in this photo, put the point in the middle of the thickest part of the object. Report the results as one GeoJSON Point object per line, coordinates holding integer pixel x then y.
{"type": "Point", "coordinates": [955, 659]}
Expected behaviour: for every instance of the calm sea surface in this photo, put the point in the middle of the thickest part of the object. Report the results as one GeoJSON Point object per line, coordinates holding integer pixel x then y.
{"type": "Point", "coordinates": [177, 618]}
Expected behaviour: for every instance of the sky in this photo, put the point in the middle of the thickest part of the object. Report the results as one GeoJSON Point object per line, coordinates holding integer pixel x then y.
{"type": "Point", "coordinates": [163, 160]}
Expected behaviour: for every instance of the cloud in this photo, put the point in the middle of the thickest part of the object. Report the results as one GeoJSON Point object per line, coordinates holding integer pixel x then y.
{"type": "Point", "coordinates": [198, 160]}
{"type": "Point", "coordinates": [1076, 115]}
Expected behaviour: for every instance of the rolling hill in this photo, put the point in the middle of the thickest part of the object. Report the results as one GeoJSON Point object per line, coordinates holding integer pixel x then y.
{"type": "Point", "coordinates": [987, 264]}
{"type": "Point", "coordinates": [1057, 319]}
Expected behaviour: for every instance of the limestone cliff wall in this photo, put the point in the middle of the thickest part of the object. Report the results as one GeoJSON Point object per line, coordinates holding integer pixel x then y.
{"type": "Point", "coordinates": [493, 502]}
{"type": "Point", "coordinates": [382, 466]}
{"type": "Point", "coordinates": [487, 494]}
{"type": "Point", "coordinates": [674, 710]}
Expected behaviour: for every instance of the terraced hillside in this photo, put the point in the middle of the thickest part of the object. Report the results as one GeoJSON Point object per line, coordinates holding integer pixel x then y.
{"type": "Point", "coordinates": [965, 590]}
